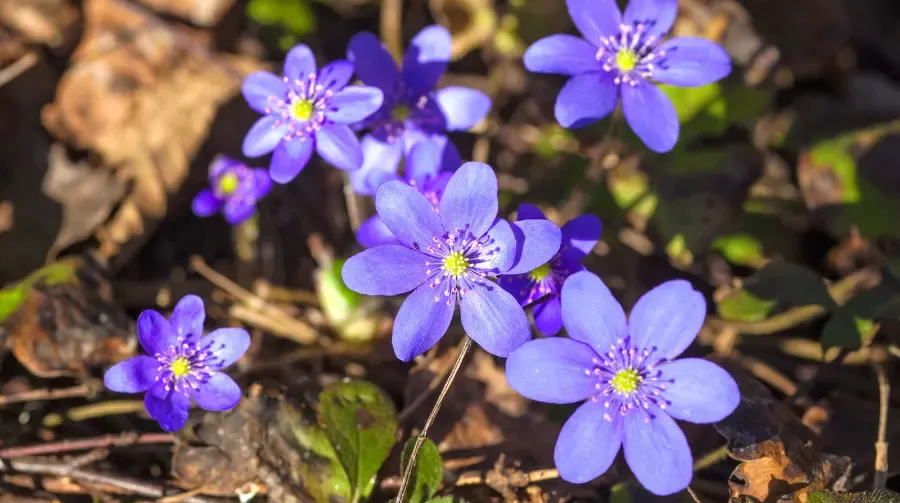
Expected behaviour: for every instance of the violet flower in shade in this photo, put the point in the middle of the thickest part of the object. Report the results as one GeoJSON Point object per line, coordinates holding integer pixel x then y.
{"type": "Point", "coordinates": [413, 110]}
{"type": "Point", "coordinates": [579, 236]}
{"type": "Point", "coordinates": [234, 190]}
{"type": "Point", "coordinates": [450, 257]}
{"type": "Point", "coordinates": [307, 109]}
{"type": "Point", "coordinates": [621, 56]}
{"type": "Point", "coordinates": [627, 372]}
{"type": "Point", "coordinates": [182, 364]}
{"type": "Point", "coordinates": [427, 172]}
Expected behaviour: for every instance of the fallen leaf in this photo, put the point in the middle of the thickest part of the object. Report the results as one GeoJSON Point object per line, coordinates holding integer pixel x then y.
{"type": "Point", "coordinates": [142, 96]}
{"type": "Point", "coordinates": [778, 454]}
{"type": "Point", "coordinates": [204, 13]}
{"type": "Point", "coordinates": [63, 320]}
{"type": "Point", "coordinates": [87, 195]}
{"type": "Point", "coordinates": [40, 21]}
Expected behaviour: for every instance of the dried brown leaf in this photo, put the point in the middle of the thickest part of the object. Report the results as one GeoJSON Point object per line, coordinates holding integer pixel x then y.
{"type": "Point", "coordinates": [142, 96]}
{"type": "Point", "coordinates": [200, 12]}
{"type": "Point", "coordinates": [86, 194]}
{"type": "Point", "coordinates": [778, 454]}
{"type": "Point", "coordinates": [68, 324]}
{"type": "Point", "coordinates": [39, 21]}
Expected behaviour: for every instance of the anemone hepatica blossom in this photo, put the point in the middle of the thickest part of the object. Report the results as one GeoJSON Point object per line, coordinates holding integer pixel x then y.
{"type": "Point", "coordinates": [412, 109]}
{"type": "Point", "coordinates": [621, 55]}
{"type": "Point", "coordinates": [182, 364]}
{"type": "Point", "coordinates": [579, 237]}
{"type": "Point", "coordinates": [234, 190]}
{"type": "Point", "coordinates": [428, 172]}
{"type": "Point", "coordinates": [448, 257]}
{"type": "Point", "coordinates": [307, 109]}
{"type": "Point", "coordinates": [625, 371]}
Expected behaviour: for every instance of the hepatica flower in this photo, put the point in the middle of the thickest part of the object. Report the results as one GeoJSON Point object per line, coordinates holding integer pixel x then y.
{"type": "Point", "coordinates": [450, 257]}
{"type": "Point", "coordinates": [233, 189]}
{"type": "Point", "coordinates": [305, 110]}
{"type": "Point", "coordinates": [579, 237]}
{"type": "Point", "coordinates": [623, 56]}
{"type": "Point", "coordinates": [181, 364]}
{"type": "Point", "coordinates": [413, 110]}
{"type": "Point", "coordinates": [427, 171]}
{"type": "Point", "coordinates": [627, 372]}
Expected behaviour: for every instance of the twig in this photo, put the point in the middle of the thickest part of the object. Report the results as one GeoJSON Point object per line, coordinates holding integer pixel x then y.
{"type": "Point", "coordinates": [18, 68]}
{"type": "Point", "coordinates": [266, 315]}
{"type": "Point", "coordinates": [34, 395]}
{"type": "Point", "coordinates": [81, 444]}
{"type": "Point", "coordinates": [352, 200]}
{"type": "Point", "coordinates": [411, 464]}
{"type": "Point", "coordinates": [881, 444]}
{"type": "Point", "coordinates": [391, 28]}
{"type": "Point", "coordinates": [693, 495]}
{"type": "Point", "coordinates": [95, 410]}
{"type": "Point", "coordinates": [435, 382]}
{"type": "Point", "coordinates": [840, 292]}
{"type": "Point", "coordinates": [58, 469]}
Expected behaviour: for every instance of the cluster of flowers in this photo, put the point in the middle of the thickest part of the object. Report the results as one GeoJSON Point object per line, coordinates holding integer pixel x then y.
{"type": "Point", "coordinates": [437, 235]}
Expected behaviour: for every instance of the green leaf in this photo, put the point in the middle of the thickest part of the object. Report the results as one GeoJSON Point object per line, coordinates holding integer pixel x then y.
{"type": "Point", "coordinates": [620, 493]}
{"type": "Point", "coordinates": [428, 472]}
{"type": "Point", "coordinates": [876, 496]}
{"type": "Point", "coordinates": [790, 284]}
{"type": "Point", "coordinates": [61, 271]}
{"type": "Point", "coordinates": [295, 16]}
{"type": "Point", "coordinates": [360, 421]}
{"type": "Point", "coordinates": [448, 499]}
{"type": "Point", "coordinates": [853, 324]}
{"type": "Point", "coordinates": [323, 476]}
{"type": "Point", "coordinates": [742, 305]}
{"type": "Point", "coordinates": [741, 249]}
{"type": "Point", "coordinates": [838, 188]}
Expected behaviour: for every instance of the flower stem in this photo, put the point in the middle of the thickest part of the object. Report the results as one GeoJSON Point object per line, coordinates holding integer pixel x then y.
{"type": "Point", "coordinates": [391, 27]}
{"type": "Point", "coordinates": [246, 235]}
{"type": "Point", "coordinates": [407, 473]}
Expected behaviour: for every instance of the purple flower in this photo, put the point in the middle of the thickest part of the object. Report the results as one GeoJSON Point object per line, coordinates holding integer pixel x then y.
{"type": "Point", "coordinates": [307, 109]}
{"type": "Point", "coordinates": [449, 257]}
{"type": "Point", "coordinates": [425, 171]}
{"type": "Point", "coordinates": [621, 55]}
{"type": "Point", "coordinates": [579, 237]}
{"type": "Point", "coordinates": [234, 190]}
{"type": "Point", "coordinates": [412, 109]}
{"type": "Point", "coordinates": [634, 390]}
{"type": "Point", "coordinates": [182, 364]}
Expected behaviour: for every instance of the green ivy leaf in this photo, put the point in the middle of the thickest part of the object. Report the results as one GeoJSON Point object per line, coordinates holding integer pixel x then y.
{"type": "Point", "coordinates": [791, 285]}
{"type": "Point", "coordinates": [323, 476]}
{"type": "Point", "coordinates": [742, 305]}
{"type": "Point", "coordinates": [428, 472]}
{"type": "Point", "coordinates": [876, 496]}
{"type": "Point", "coordinates": [852, 324]}
{"type": "Point", "coordinates": [741, 249]}
{"type": "Point", "coordinates": [360, 421]}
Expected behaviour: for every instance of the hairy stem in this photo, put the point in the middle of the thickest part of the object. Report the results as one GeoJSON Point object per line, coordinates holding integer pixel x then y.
{"type": "Point", "coordinates": [407, 473]}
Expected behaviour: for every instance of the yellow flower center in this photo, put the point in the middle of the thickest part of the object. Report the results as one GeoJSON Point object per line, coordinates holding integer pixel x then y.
{"type": "Point", "coordinates": [540, 273]}
{"type": "Point", "coordinates": [228, 183]}
{"type": "Point", "coordinates": [400, 113]}
{"type": "Point", "coordinates": [456, 264]}
{"type": "Point", "coordinates": [626, 59]}
{"type": "Point", "coordinates": [626, 381]}
{"type": "Point", "coordinates": [181, 367]}
{"type": "Point", "coordinates": [302, 109]}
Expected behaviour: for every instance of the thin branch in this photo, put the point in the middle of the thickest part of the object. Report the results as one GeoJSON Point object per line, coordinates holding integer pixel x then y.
{"type": "Point", "coordinates": [61, 469]}
{"type": "Point", "coordinates": [411, 464]}
{"type": "Point", "coordinates": [9, 73]}
{"type": "Point", "coordinates": [433, 385]}
{"type": "Point", "coordinates": [82, 444]}
{"type": "Point", "coordinates": [34, 395]}
{"type": "Point", "coordinates": [881, 444]}
{"type": "Point", "coordinates": [392, 27]}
